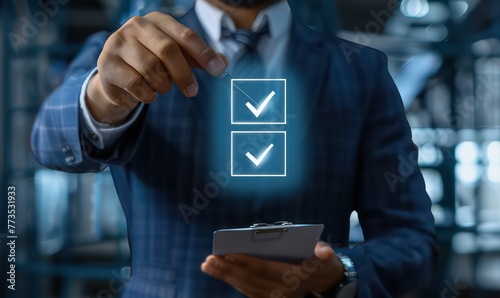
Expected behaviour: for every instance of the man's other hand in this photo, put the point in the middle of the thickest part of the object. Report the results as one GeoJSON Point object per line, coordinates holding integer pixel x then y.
{"type": "Point", "coordinates": [259, 278]}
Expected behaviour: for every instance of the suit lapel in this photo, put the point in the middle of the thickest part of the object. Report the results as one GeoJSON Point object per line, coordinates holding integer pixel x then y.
{"type": "Point", "coordinates": [308, 62]}
{"type": "Point", "coordinates": [307, 73]}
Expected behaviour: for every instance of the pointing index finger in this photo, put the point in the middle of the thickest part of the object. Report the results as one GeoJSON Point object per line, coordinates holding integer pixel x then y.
{"type": "Point", "coordinates": [192, 44]}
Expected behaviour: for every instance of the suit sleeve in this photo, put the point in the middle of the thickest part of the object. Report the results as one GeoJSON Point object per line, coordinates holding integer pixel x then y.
{"type": "Point", "coordinates": [394, 209]}
{"type": "Point", "coordinates": [57, 140]}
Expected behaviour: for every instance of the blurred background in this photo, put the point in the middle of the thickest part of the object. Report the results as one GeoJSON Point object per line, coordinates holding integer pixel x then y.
{"type": "Point", "coordinates": [444, 56]}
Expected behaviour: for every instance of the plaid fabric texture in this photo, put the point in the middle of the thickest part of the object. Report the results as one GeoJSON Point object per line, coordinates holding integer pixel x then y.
{"type": "Point", "coordinates": [345, 116]}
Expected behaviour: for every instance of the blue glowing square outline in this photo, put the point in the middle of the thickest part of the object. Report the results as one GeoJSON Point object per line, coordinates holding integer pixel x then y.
{"type": "Point", "coordinates": [259, 175]}
{"type": "Point", "coordinates": [257, 123]}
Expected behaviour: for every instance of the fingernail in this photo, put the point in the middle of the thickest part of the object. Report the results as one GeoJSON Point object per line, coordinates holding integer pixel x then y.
{"type": "Point", "coordinates": [229, 258]}
{"type": "Point", "coordinates": [216, 65]}
{"type": "Point", "coordinates": [192, 90]}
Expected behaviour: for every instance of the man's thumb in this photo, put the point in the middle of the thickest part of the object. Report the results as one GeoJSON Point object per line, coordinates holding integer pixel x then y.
{"type": "Point", "coordinates": [323, 251]}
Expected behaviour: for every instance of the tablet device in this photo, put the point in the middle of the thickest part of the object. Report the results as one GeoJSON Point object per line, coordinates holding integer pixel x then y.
{"type": "Point", "coordinates": [283, 242]}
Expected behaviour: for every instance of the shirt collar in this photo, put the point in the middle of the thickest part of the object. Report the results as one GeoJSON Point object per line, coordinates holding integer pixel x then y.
{"type": "Point", "coordinates": [278, 17]}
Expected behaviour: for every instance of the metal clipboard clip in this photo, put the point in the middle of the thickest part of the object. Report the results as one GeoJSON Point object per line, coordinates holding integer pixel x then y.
{"type": "Point", "coordinates": [271, 230]}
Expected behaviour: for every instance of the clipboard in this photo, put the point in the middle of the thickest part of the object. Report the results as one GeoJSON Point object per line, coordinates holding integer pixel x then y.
{"type": "Point", "coordinates": [281, 241]}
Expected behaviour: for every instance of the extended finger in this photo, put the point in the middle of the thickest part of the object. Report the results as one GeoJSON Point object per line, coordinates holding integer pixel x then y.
{"type": "Point", "coordinates": [173, 61]}
{"type": "Point", "coordinates": [195, 64]}
{"type": "Point", "coordinates": [190, 42]}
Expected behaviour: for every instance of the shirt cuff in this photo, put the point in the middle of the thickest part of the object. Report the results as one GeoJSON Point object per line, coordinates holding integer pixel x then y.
{"type": "Point", "coordinates": [103, 136]}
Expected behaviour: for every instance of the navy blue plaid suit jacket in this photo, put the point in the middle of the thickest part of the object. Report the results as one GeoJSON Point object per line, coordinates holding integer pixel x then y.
{"type": "Point", "coordinates": [356, 153]}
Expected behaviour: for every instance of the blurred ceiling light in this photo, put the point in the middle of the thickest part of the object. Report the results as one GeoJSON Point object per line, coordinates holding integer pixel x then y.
{"type": "Point", "coordinates": [490, 243]}
{"type": "Point", "coordinates": [354, 220]}
{"type": "Point", "coordinates": [493, 152]}
{"type": "Point", "coordinates": [415, 8]}
{"type": "Point", "coordinates": [468, 173]}
{"type": "Point", "coordinates": [486, 47]}
{"type": "Point", "coordinates": [436, 33]}
{"type": "Point", "coordinates": [433, 184]}
{"type": "Point", "coordinates": [439, 214]}
{"type": "Point", "coordinates": [494, 174]}
{"type": "Point", "coordinates": [467, 152]}
{"type": "Point", "coordinates": [489, 227]}
{"type": "Point", "coordinates": [413, 76]}
{"type": "Point", "coordinates": [446, 137]}
{"type": "Point", "coordinates": [458, 8]}
{"type": "Point", "coordinates": [430, 155]}
{"type": "Point", "coordinates": [490, 218]}
{"type": "Point", "coordinates": [464, 243]}
{"type": "Point", "coordinates": [464, 216]}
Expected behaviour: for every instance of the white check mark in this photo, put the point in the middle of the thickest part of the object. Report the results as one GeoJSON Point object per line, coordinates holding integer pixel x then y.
{"type": "Point", "coordinates": [257, 161]}
{"type": "Point", "coordinates": [261, 108]}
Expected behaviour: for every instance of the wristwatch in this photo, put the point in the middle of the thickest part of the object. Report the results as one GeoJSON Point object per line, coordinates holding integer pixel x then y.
{"type": "Point", "coordinates": [348, 287]}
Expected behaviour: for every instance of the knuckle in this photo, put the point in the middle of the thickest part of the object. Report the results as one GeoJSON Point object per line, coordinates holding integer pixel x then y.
{"type": "Point", "coordinates": [167, 47]}
{"type": "Point", "coordinates": [134, 21]}
{"type": "Point", "coordinates": [206, 52]}
{"type": "Point", "coordinates": [154, 83]}
{"type": "Point", "coordinates": [157, 83]}
{"type": "Point", "coordinates": [103, 60]}
{"type": "Point", "coordinates": [115, 45]}
{"type": "Point", "coordinates": [184, 79]}
{"type": "Point", "coordinates": [132, 27]}
{"type": "Point", "coordinates": [153, 14]}
{"type": "Point", "coordinates": [159, 72]}
{"type": "Point", "coordinates": [143, 94]}
{"type": "Point", "coordinates": [115, 40]}
{"type": "Point", "coordinates": [188, 34]}
{"type": "Point", "coordinates": [151, 65]}
{"type": "Point", "coordinates": [106, 63]}
{"type": "Point", "coordinates": [157, 14]}
{"type": "Point", "coordinates": [148, 98]}
{"type": "Point", "coordinates": [133, 81]}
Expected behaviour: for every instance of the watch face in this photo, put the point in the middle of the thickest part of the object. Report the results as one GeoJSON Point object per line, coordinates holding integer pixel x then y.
{"type": "Point", "coordinates": [349, 290]}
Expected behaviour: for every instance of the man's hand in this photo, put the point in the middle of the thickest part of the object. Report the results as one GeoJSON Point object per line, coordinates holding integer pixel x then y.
{"type": "Point", "coordinates": [146, 56]}
{"type": "Point", "coordinates": [259, 278]}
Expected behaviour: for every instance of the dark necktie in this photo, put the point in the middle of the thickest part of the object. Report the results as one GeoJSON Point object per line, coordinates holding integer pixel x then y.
{"type": "Point", "coordinates": [248, 63]}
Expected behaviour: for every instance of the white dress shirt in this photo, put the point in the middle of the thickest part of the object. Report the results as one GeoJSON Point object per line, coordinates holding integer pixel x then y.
{"type": "Point", "coordinates": [272, 49]}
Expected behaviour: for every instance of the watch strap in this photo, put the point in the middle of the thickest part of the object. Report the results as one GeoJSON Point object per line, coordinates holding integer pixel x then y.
{"type": "Point", "coordinates": [347, 287]}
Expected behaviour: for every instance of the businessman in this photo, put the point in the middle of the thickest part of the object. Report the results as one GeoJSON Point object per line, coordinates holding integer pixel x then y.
{"type": "Point", "coordinates": [147, 101]}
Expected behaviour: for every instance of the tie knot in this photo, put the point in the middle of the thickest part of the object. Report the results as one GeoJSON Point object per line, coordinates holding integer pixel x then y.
{"type": "Point", "coordinates": [246, 37]}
